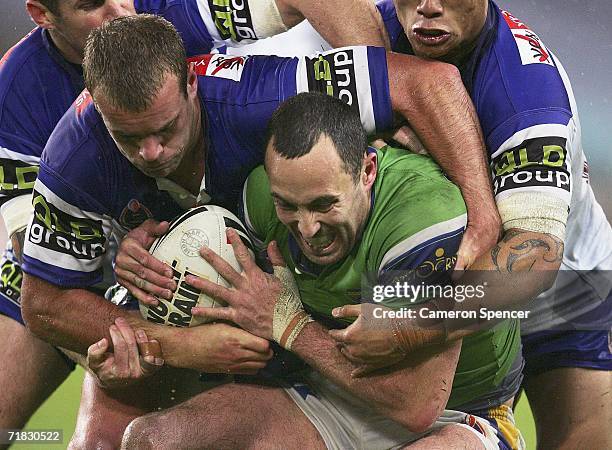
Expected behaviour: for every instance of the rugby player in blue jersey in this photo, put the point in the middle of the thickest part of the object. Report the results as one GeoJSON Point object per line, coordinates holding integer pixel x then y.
{"type": "Point", "coordinates": [540, 177]}
{"type": "Point", "coordinates": [99, 170]}
{"type": "Point", "coordinates": [41, 76]}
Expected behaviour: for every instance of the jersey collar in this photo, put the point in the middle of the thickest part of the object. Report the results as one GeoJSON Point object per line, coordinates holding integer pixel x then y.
{"type": "Point", "coordinates": [75, 71]}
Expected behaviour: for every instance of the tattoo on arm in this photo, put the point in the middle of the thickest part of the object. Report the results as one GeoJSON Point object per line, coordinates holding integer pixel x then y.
{"type": "Point", "coordinates": [524, 250]}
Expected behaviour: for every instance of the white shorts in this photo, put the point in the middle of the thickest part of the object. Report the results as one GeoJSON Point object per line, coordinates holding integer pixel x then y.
{"type": "Point", "coordinates": [346, 422]}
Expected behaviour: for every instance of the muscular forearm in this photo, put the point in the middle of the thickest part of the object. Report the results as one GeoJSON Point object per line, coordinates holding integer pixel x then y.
{"type": "Point", "coordinates": [414, 394]}
{"type": "Point", "coordinates": [431, 97]}
{"type": "Point", "coordinates": [72, 318]}
{"type": "Point", "coordinates": [361, 23]}
{"type": "Point", "coordinates": [519, 268]}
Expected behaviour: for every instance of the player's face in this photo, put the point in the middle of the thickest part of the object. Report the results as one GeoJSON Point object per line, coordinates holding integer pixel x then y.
{"type": "Point", "coordinates": [157, 140]}
{"type": "Point", "coordinates": [78, 17]}
{"type": "Point", "coordinates": [442, 29]}
{"type": "Point", "coordinates": [319, 202]}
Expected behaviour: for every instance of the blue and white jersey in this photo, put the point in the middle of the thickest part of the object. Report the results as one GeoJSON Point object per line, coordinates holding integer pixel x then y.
{"type": "Point", "coordinates": [37, 86]}
{"type": "Point", "coordinates": [528, 114]}
{"type": "Point", "coordinates": [87, 190]}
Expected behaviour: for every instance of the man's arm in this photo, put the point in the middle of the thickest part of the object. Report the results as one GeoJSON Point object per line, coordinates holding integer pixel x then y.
{"type": "Point", "coordinates": [431, 97]}
{"type": "Point", "coordinates": [341, 23]}
{"type": "Point", "coordinates": [76, 318]}
{"type": "Point", "coordinates": [414, 393]}
{"type": "Point", "coordinates": [269, 306]}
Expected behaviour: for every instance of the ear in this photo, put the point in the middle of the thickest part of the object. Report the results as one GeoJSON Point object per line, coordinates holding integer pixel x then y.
{"type": "Point", "coordinates": [40, 14]}
{"type": "Point", "coordinates": [369, 169]}
{"type": "Point", "coordinates": [192, 80]}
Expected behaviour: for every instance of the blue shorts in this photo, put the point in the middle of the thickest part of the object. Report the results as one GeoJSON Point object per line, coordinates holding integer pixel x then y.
{"type": "Point", "coordinates": [10, 294]}
{"type": "Point", "coordinates": [547, 350]}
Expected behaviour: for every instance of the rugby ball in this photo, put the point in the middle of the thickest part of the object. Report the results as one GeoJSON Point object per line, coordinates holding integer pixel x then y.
{"type": "Point", "coordinates": [179, 248]}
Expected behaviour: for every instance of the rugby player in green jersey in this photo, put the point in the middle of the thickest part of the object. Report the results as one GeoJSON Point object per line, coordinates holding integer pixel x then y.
{"type": "Point", "coordinates": [330, 211]}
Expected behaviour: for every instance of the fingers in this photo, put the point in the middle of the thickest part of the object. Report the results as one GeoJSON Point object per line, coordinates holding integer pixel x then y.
{"type": "Point", "coordinates": [215, 290]}
{"type": "Point", "coordinates": [347, 311]}
{"type": "Point", "coordinates": [363, 370]}
{"type": "Point", "coordinates": [150, 351]}
{"type": "Point", "coordinates": [139, 294]}
{"type": "Point", "coordinates": [222, 266]}
{"type": "Point", "coordinates": [131, 349]}
{"type": "Point", "coordinates": [275, 255]}
{"type": "Point", "coordinates": [146, 233]}
{"type": "Point", "coordinates": [146, 273]}
{"type": "Point", "coordinates": [408, 139]}
{"type": "Point", "coordinates": [96, 353]}
{"type": "Point", "coordinates": [244, 258]}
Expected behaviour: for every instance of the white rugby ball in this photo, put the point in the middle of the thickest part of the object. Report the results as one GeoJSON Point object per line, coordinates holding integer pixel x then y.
{"type": "Point", "coordinates": [179, 248]}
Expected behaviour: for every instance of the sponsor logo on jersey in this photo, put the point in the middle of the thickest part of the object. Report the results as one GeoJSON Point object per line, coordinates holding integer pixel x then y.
{"type": "Point", "coordinates": [56, 230]}
{"type": "Point", "coordinates": [233, 19]}
{"type": "Point", "coordinates": [82, 102]}
{"type": "Point", "coordinates": [221, 66]}
{"type": "Point", "coordinates": [538, 162]}
{"type": "Point", "coordinates": [16, 177]}
{"type": "Point", "coordinates": [585, 172]}
{"type": "Point", "coordinates": [334, 74]}
{"type": "Point", "coordinates": [529, 45]}
{"type": "Point", "coordinates": [134, 214]}
{"type": "Point", "coordinates": [11, 276]}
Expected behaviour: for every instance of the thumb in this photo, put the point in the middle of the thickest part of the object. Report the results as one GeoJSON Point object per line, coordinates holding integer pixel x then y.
{"type": "Point", "coordinates": [95, 353]}
{"type": "Point", "coordinates": [276, 258]}
{"type": "Point", "coordinates": [346, 311]}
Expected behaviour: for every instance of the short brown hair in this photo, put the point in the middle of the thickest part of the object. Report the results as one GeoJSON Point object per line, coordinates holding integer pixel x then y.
{"type": "Point", "coordinates": [51, 5]}
{"type": "Point", "coordinates": [129, 58]}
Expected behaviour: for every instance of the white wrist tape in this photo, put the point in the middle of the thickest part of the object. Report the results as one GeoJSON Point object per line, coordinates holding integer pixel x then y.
{"type": "Point", "coordinates": [289, 316]}
{"type": "Point", "coordinates": [16, 213]}
{"type": "Point", "coordinates": [534, 211]}
{"type": "Point", "coordinates": [266, 18]}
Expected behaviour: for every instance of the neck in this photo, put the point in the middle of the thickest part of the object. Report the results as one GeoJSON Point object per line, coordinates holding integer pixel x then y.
{"type": "Point", "coordinates": [65, 48]}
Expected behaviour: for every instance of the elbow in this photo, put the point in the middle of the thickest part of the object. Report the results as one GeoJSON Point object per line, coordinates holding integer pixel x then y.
{"type": "Point", "coordinates": [32, 309]}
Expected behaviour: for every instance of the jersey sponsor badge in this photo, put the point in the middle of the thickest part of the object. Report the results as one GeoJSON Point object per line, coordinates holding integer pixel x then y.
{"type": "Point", "coordinates": [56, 230]}
{"type": "Point", "coordinates": [221, 66]}
{"type": "Point", "coordinates": [82, 101]}
{"type": "Point", "coordinates": [334, 73]}
{"type": "Point", "coordinates": [232, 19]}
{"type": "Point", "coordinates": [538, 162]}
{"type": "Point", "coordinates": [530, 46]}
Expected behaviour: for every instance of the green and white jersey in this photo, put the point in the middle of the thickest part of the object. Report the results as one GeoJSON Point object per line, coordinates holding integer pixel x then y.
{"type": "Point", "coordinates": [415, 225]}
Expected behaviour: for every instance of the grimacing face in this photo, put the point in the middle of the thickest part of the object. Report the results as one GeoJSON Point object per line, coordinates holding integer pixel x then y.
{"type": "Point", "coordinates": [156, 140]}
{"type": "Point", "coordinates": [442, 29]}
{"type": "Point", "coordinates": [77, 18]}
{"type": "Point", "coordinates": [320, 203]}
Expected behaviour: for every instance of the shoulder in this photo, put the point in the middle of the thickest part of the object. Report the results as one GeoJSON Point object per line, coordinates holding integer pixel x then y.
{"type": "Point", "coordinates": [519, 83]}
{"type": "Point", "coordinates": [417, 211]}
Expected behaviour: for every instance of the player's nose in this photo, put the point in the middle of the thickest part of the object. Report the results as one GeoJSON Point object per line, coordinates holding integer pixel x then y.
{"type": "Point", "coordinates": [308, 225]}
{"type": "Point", "coordinates": [150, 149]}
{"type": "Point", "coordinates": [119, 8]}
{"type": "Point", "coordinates": [430, 8]}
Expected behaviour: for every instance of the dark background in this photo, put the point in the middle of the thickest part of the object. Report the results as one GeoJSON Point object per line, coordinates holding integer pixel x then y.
{"type": "Point", "coordinates": [577, 31]}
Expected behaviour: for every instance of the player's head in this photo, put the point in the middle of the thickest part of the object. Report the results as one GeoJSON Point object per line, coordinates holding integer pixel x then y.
{"type": "Point", "coordinates": [442, 29]}
{"type": "Point", "coordinates": [70, 21]}
{"type": "Point", "coordinates": [321, 174]}
{"type": "Point", "coordinates": [135, 69]}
